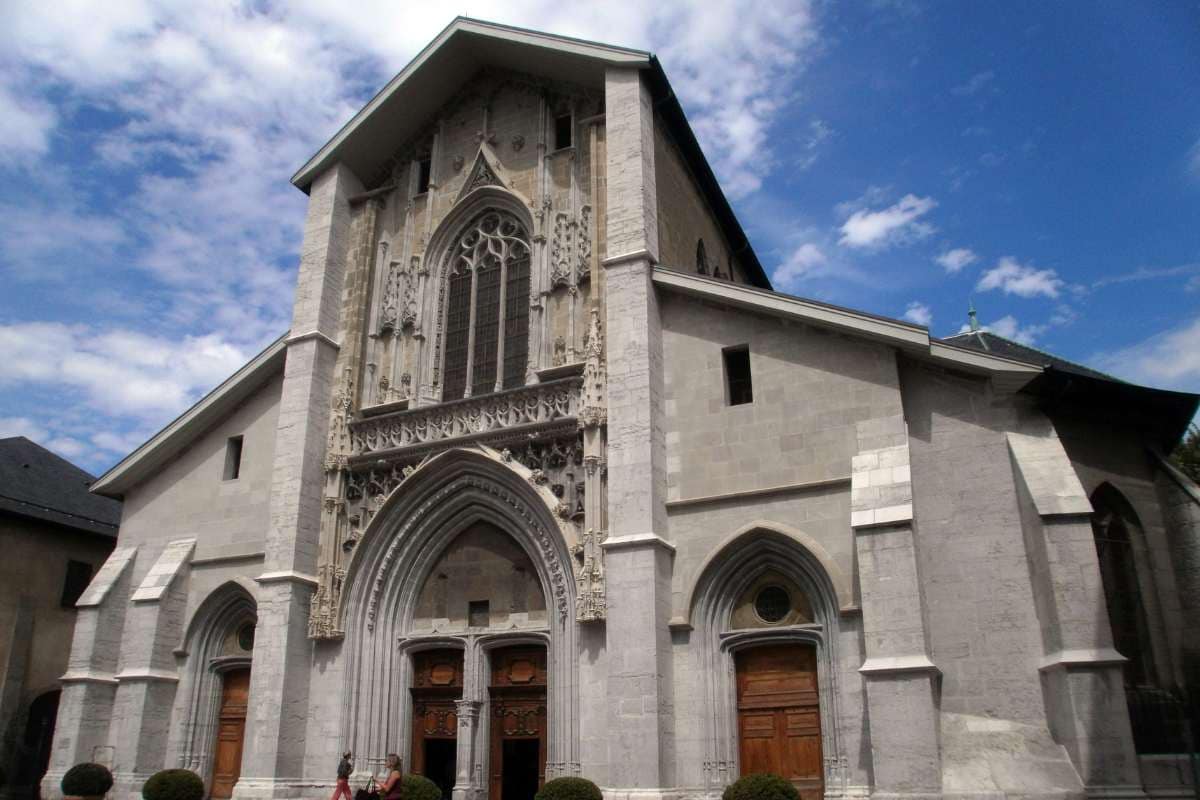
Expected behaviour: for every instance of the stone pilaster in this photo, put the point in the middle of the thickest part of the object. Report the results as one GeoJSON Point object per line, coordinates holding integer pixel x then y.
{"type": "Point", "coordinates": [147, 680]}
{"type": "Point", "coordinates": [273, 755]}
{"type": "Point", "coordinates": [1081, 672]}
{"type": "Point", "coordinates": [638, 558]}
{"type": "Point", "coordinates": [90, 683]}
{"type": "Point", "coordinates": [900, 676]}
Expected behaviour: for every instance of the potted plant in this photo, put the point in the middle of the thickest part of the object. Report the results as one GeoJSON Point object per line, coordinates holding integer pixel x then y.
{"type": "Point", "coordinates": [86, 782]}
{"type": "Point", "coordinates": [173, 784]}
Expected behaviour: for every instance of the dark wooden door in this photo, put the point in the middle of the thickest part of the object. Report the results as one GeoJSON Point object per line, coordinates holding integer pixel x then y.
{"type": "Point", "coordinates": [518, 722]}
{"type": "Point", "coordinates": [779, 719]}
{"type": "Point", "coordinates": [437, 686]}
{"type": "Point", "coordinates": [231, 731]}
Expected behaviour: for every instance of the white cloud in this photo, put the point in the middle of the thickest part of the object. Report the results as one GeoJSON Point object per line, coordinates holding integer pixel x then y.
{"type": "Point", "coordinates": [25, 126]}
{"type": "Point", "coordinates": [117, 372]}
{"type": "Point", "coordinates": [1008, 327]}
{"type": "Point", "coordinates": [1146, 274]}
{"type": "Point", "coordinates": [954, 260]}
{"type": "Point", "coordinates": [895, 224]}
{"type": "Point", "coordinates": [22, 426]}
{"type": "Point", "coordinates": [974, 84]}
{"type": "Point", "coordinates": [1169, 359]}
{"type": "Point", "coordinates": [818, 132]}
{"type": "Point", "coordinates": [802, 261]}
{"type": "Point", "coordinates": [1012, 277]}
{"type": "Point", "coordinates": [918, 313]}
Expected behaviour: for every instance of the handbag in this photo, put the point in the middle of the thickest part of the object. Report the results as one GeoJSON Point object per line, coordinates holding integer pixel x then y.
{"type": "Point", "coordinates": [368, 792]}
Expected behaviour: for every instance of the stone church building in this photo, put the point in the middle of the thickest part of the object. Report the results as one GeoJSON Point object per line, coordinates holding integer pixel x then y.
{"type": "Point", "coordinates": [546, 480]}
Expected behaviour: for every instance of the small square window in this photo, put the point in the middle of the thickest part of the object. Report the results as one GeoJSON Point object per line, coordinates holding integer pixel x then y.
{"type": "Point", "coordinates": [424, 169]}
{"type": "Point", "coordinates": [479, 614]}
{"type": "Point", "coordinates": [233, 458]}
{"type": "Point", "coordinates": [562, 131]}
{"type": "Point", "coordinates": [79, 575]}
{"type": "Point", "coordinates": [738, 387]}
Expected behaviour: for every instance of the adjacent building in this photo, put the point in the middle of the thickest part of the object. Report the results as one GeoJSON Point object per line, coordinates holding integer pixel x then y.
{"type": "Point", "coordinates": [546, 480]}
{"type": "Point", "coordinates": [54, 535]}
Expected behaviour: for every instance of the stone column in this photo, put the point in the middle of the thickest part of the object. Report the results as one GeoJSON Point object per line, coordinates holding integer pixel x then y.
{"type": "Point", "coordinates": [468, 727]}
{"type": "Point", "coordinates": [90, 683]}
{"type": "Point", "coordinates": [638, 558]}
{"type": "Point", "coordinates": [273, 755]}
{"type": "Point", "coordinates": [1081, 672]}
{"type": "Point", "coordinates": [899, 674]}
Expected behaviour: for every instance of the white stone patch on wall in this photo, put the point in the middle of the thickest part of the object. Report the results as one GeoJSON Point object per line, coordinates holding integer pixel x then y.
{"type": "Point", "coordinates": [881, 478]}
{"type": "Point", "coordinates": [168, 565]}
{"type": "Point", "coordinates": [107, 577]}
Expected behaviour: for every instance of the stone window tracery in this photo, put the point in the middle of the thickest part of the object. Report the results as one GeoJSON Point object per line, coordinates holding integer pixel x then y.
{"type": "Point", "coordinates": [487, 314]}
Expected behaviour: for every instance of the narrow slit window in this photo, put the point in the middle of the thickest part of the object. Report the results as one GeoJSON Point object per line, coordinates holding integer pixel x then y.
{"type": "Point", "coordinates": [233, 458]}
{"type": "Point", "coordinates": [79, 575]}
{"type": "Point", "coordinates": [738, 387]}
{"type": "Point", "coordinates": [562, 132]}
{"type": "Point", "coordinates": [424, 168]}
{"type": "Point", "coordinates": [479, 613]}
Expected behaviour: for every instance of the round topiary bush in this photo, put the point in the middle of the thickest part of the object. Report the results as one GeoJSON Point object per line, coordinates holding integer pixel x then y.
{"type": "Point", "coordinates": [418, 787]}
{"type": "Point", "coordinates": [174, 784]}
{"type": "Point", "coordinates": [569, 789]}
{"type": "Point", "coordinates": [761, 786]}
{"type": "Point", "coordinates": [87, 780]}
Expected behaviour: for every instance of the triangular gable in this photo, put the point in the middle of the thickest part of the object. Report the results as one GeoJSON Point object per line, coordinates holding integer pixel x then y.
{"type": "Point", "coordinates": [485, 171]}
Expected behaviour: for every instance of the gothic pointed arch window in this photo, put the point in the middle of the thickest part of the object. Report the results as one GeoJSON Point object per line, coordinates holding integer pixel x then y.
{"type": "Point", "coordinates": [487, 312]}
{"type": "Point", "coordinates": [701, 258]}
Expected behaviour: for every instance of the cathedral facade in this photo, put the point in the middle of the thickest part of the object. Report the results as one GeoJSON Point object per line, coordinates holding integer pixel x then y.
{"type": "Point", "coordinates": [545, 480]}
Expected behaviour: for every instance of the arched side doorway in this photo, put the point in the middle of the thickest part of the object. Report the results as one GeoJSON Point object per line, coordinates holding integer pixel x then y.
{"type": "Point", "coordinates": [766, 627]}
{"type": "Point", "coordinates": [214, 694]}
{"type": "Point", "coordinates": [464, 555]}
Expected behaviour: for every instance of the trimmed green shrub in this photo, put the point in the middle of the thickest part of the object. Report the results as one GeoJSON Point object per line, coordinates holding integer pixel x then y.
{"type": "Point", "coordinates": [569, 789]}
{"type": "Point", "coordinates": [760, 786]}
{"type": "Point", "coordinates": [174, 784]}
{"type": "Point", "coordinates": [418, 787]}
{"type": "Point", "coordinates": [87, 780]}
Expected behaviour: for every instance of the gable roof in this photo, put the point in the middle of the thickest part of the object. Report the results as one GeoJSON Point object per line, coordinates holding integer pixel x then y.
{"type": "Point", "coordinates": [36, 483]}
{"type": "Point", "coordinates": [189, 425]}
{"type": "Point", "coordinates": [407, 101]}
{"type": "Point", "coordinates": [989, 342]}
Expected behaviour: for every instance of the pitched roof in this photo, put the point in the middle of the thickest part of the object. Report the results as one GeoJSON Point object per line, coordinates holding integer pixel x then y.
{"type": "Point", "coordinates": [35, 482]}
{"type": "Point", "coordinates": [185, 428]}
{"type": "Point", "coordinates": [988, 342]}
{"type": "Point", "coordinates": [466, 45]}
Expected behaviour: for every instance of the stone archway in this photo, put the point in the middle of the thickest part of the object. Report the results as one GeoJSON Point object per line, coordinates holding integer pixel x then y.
{"type": "Point", "coordinates": [762, 556]}
{"type": "Point", "coordinates": [446, 496]}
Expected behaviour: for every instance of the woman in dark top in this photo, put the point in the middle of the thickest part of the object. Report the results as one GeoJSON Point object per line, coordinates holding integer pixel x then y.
{"type": "Point", "coordinates": [391, 789]}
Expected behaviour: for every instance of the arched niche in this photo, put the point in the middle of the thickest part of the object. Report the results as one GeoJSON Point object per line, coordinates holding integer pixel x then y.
{"type": "Point", "coordinates": [756, 559]}
{"type": "Point", "coordinates": [215, 642]}
{"type": "Point", "coordinates": [448, 497]}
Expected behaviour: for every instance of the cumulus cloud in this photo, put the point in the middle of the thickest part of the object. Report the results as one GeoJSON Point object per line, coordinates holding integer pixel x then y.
{"type": "Point", "coordinates": [918, 313]}
{"type": "Point", "coordinates": [117, 371]}
{"type": "Point", "coordinates": [895, 224]}
{"type": "Point", "coordinates": [802, 261]}
{"type": "Point", "coordinates": [1169, 359]}
{"type": "Point", "coordinates": [22, 426]}
{"type": "Point", "coordinates": [954, 260]}
{"type": "Point", "coordinates": [974, 84]}
{"type": "Point", "coordinates": [1012, 277]}
{"type": "Point", "coordinates": [25, 126]}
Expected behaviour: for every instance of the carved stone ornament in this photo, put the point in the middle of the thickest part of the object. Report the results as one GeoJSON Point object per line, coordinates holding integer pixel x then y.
{"type": "Point", "coordinates": [458, 163]}
{"type": "Point", "coordinates": [584, 245]}
{"type": "Point", "coordinates": [594, 411]}
{"type": "Point", "coordinates": [518, 143]}
{"type": "Point", "coordinates": [561, 250]}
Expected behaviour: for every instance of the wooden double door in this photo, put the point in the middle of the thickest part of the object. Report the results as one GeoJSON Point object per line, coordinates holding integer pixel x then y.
{"type": "Point", "coordinates": [231, 731]}
{"type": "Point", "coordinates": [518, 722]}
{"type": "Point", "coordinates": [779, 718]}
{"type": "Point", "coordinates": [437, 688]}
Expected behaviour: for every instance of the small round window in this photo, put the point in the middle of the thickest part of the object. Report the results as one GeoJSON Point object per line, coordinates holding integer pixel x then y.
{"type": "Point", "coordinates": [772, 604]}
{"type": "Point", "coordinates": [245, 637]}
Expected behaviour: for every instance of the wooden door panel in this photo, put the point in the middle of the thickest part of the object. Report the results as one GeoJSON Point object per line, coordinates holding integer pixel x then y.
{"type": "Point", "coordinates": [779, 721]}
{"type": "Point", "coordinates": [231, 732]}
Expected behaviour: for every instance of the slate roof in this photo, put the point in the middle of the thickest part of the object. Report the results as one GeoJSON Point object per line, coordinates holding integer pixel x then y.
{"type": "Point", "coordinates": [36, 483]}
{"type": "Point", "coordinates": [988, 342]}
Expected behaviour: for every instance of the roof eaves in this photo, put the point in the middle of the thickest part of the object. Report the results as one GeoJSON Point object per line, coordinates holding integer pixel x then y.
{"type": "Point", "coordinates": [304, 176]}
{"type": "Point", "coordinates": [192, 422]}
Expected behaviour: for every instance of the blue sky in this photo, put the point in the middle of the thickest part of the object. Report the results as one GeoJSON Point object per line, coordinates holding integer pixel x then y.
{"type": "Point", "coordinates": [899, 157]}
